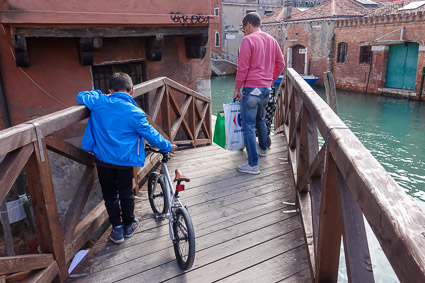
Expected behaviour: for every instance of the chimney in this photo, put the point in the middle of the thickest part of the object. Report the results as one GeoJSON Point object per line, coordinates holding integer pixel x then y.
{"type": "Point", "coordinates": [287, 7]}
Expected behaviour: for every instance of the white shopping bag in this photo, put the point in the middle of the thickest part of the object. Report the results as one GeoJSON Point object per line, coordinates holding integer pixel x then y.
{"type": "Point", "coordinates": [233, 126]}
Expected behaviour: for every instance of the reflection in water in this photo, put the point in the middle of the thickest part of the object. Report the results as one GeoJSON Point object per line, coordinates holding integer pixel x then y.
{"type": "Point", "coordinates": [392, 129]}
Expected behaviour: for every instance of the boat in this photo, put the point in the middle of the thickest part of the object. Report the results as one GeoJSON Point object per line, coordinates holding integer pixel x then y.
{"type": "Point", "coordinates": [278, 80]}
{"type": "Point", "coordinates": [310, 79]}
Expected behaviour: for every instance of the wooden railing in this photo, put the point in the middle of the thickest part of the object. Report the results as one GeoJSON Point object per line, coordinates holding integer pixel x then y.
{"type": "Point", "coordinates": [25, 147]}
{"type": "Point", "coordinates": [340, 182]}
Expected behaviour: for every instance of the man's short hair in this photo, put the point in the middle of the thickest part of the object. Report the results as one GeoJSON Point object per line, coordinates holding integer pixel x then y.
{"type": "Point", "coordinates": [120, 82]}
{"type": "Point", "coordinates": [253, 18]}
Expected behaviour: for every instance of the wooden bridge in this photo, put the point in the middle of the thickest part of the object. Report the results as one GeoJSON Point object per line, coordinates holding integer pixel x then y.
{"type": "Point", "coordinates": [246, 228]}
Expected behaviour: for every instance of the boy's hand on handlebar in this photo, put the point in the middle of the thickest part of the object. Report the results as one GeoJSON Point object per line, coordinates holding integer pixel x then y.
{"type": "Point", "coordinates": [174, 147]}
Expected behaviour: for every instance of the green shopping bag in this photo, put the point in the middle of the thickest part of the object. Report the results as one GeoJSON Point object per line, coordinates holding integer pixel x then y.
{"type": "Point", "coordinates": [219, 130]}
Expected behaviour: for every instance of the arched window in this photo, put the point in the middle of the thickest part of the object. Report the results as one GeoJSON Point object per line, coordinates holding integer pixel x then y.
{"type": "Point", "coordinates": [217, 39]}
{"type": "Point", "coordinates": [342, 52]}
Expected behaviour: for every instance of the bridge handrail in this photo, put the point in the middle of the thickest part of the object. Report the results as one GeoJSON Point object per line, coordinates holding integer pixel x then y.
{"type": "Point", "coordinates": [25, 146]}
{"type": "Point", "coordinates": [339, 182]}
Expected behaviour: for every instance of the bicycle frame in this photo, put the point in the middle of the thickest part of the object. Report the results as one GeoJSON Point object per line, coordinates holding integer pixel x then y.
{"type": "Point", "coordinates": [173, 202]}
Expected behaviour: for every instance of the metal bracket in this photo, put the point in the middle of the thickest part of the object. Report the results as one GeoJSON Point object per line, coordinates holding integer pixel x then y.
{"type": "Point", "coordinates": [38, 135]}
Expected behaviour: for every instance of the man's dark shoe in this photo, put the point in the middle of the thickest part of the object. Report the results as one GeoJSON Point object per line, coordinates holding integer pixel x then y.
{"type": "Point", "coordinates": [129, 230]}
{"type": "Point", "coordinates": [117, 235]}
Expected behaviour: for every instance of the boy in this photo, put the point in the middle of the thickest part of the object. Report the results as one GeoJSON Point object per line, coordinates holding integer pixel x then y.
{"type": "Point", "coordinates": [115, 133]}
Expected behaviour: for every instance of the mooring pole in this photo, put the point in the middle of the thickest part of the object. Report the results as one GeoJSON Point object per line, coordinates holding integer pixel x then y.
{"type": "Point", "coordinates": [422, 84]}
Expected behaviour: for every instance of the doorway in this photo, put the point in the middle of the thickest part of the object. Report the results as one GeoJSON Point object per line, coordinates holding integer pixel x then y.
{"type": "Point", "coordinates": [402, 65]}
{"type": "Point", "coordinates": [299, 53]}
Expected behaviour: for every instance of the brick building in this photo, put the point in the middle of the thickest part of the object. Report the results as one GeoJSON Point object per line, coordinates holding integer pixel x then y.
{"type": "Point", "coordinates": [370, 46]}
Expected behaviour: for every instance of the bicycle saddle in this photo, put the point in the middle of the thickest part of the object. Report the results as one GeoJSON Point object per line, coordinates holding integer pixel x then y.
{"type": "Point", "coordinates": [180, 177]}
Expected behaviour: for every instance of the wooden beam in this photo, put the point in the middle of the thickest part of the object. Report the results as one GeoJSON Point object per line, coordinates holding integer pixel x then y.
{"type": "Point", "coordinates": [44, 275]}
{"type": "Point", "coordinates": [186, 90]}
{"type": "Point", "coordinates": [148, 86]}
{"type": "Point", "coordinates": [154, 109]}
{"type": "Point", "coordinates": [14, 264]}
{"type": "Point", "coordinates": [108, 32]}
{"type": "Point", "coordinates": [69, 150]}
{"type": "Point", "coordinates": [165, 114]}
{"type": "Point", "coordinates": [304, 204]}
{"type": "Point", "coordinates": [11, 167]}
{"type": "Point", "coordinates": [40, 187]}
{"type": "Point", "coordinates": [393, 216]}
{"type": "Point", "coordinates": [180, 116]}
{"type": "Point", "coordinates": [356, 249]}
{"type": "Point", "coordinates": [78, 202]}
{"type": "Point", "coordinates": [315, 170]}
{"type": "Point", "coordinates": [85, 229]}
{"type": "Point", "coordinates": [328, 249]}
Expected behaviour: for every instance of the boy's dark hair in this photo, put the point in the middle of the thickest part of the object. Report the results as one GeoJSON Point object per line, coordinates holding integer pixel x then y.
{"type": "Point", "coordinates": [120, 81]}
{"type": "Point", "coordinates": [253, 18]}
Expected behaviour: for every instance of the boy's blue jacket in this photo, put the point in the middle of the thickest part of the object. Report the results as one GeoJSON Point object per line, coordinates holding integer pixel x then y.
{"type": "Point", "coordinates": [116, 129]}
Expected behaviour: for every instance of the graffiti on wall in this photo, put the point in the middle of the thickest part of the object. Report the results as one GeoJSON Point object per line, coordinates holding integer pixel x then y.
{"type": "Point", "coordinates": [189, 19]}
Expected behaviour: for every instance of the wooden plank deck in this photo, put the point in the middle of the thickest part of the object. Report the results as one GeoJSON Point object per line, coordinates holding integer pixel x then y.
{"type": "Point", "coordinates": [242, 234]}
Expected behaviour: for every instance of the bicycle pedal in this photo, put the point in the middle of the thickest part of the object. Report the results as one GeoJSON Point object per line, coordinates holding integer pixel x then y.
{"type": "Point", "coordinates": [159, 217]}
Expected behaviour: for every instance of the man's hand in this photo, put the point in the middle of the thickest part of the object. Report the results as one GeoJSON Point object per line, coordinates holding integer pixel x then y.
{"type": "Point", "coordinates": [174, 147]}
{"type": "Point", "coordinates": [237, 95]}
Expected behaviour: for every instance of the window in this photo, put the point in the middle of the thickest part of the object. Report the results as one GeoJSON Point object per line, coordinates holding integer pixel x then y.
{"type": "Point", "coordinates": [216, 10]}
{"type": "Point", "coordinates": [250, 11]}
{"type": "Point", "coordinates": [217, 39]}
{"type": "Point", "coordinates": [342, 52]}
{"type": "Point", "coordinates": [268, 12]}
{"type": "Point", "coordinates": [365, 55]}
{"type": "Point", "coordinates": [136, 70]}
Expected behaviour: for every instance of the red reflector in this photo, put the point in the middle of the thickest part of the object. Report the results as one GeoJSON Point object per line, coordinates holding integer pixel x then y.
{"type": "Point", "coordinates": [180, 188]}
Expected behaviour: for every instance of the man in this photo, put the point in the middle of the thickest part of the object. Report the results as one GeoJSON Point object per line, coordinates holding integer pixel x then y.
{"type": "Point", "coordinates": [260, 63]}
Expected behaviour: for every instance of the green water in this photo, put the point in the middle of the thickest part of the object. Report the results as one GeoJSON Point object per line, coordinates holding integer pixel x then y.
{"type": "Point", "coordinates": [392, 129]}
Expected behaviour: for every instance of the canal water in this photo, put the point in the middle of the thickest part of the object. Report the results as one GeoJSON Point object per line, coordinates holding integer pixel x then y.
{"type": "Point", "coordinates": [392, 129]}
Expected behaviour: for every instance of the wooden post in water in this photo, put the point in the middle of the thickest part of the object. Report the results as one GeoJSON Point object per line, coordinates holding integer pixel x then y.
{"type": "Point", "coordinates": [329, 81]}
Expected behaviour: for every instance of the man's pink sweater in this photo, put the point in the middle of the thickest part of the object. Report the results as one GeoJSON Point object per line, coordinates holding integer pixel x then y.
{"type": "Point", "coordinates": [260, 61]}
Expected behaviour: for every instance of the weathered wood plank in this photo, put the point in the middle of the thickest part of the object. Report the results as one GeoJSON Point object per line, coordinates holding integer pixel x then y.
{"type": "Point", "coordinates": [85, 229]}
{"type": "Point", "coordinates": [328, 249]}
{"type": "Point", "coordinates": [276, 269]}
{"type": "Point", "coordinates": [11, 167]}
{"type": "Point", "coordinates": [134, 31]}
{"type": "Point", "coordinates": [78, 202]}
{"type": "Point", "coordinates": [186, 90]}
{"type": "Point", "coordinates": [40, 187]}
{"type": "Point", "coordinates": [148, 86]}
{"type": "Point", "coordinates": [393, 216]}
{"type": "Point", "coordinates": [16, 137]}
{"type": "Point", "coordinates": [356, 249]}
{"type": "Point", "coordinates": [13, 264]}
{"type": "Point", "coordinates": [44, 275]}
{"type": "Point", "coordinates": [156, 103]}
{"type": "Point", "coordinates": [69, 150]}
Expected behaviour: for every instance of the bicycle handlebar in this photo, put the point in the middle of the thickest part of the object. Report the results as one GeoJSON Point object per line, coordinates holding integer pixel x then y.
{"type": "Point", "coordinates": [183, 144]}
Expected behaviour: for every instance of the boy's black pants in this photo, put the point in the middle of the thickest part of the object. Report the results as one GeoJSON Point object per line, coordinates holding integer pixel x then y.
{"type": "Point", "coordinates": [117, 190]}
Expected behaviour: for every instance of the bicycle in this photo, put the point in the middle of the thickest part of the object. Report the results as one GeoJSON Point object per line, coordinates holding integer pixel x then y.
{"type": "Point", "coordinates": [165, 203]}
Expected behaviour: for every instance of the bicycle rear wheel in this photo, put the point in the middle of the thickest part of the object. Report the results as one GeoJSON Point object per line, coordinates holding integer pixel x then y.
{"type": "Point", "coordinates": [156, 191]}
{"type": "Point", "coordinates": [184, 243]}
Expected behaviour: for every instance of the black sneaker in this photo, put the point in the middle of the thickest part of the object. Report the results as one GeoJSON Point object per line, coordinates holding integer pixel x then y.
{"type": "Point", "coordinates": [129, 230]}
{"type": "Point", "coordinates": [117, 235]}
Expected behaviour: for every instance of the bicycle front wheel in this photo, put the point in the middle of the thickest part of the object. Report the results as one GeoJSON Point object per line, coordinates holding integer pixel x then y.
{"type": "Point", "coordinates": [184, 243]}
{"type": "Point", "coordinates": [157, 197]}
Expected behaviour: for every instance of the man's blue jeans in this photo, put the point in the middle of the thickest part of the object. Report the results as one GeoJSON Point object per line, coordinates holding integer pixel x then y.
{"type": "Point", "coordinates": [252, 111]}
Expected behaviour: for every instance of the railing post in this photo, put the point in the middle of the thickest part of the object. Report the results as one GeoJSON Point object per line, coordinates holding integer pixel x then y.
{"type": "Point", "coordinates": [40, 187]}
{"type": "Point", "coordinates": [329, 244]}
